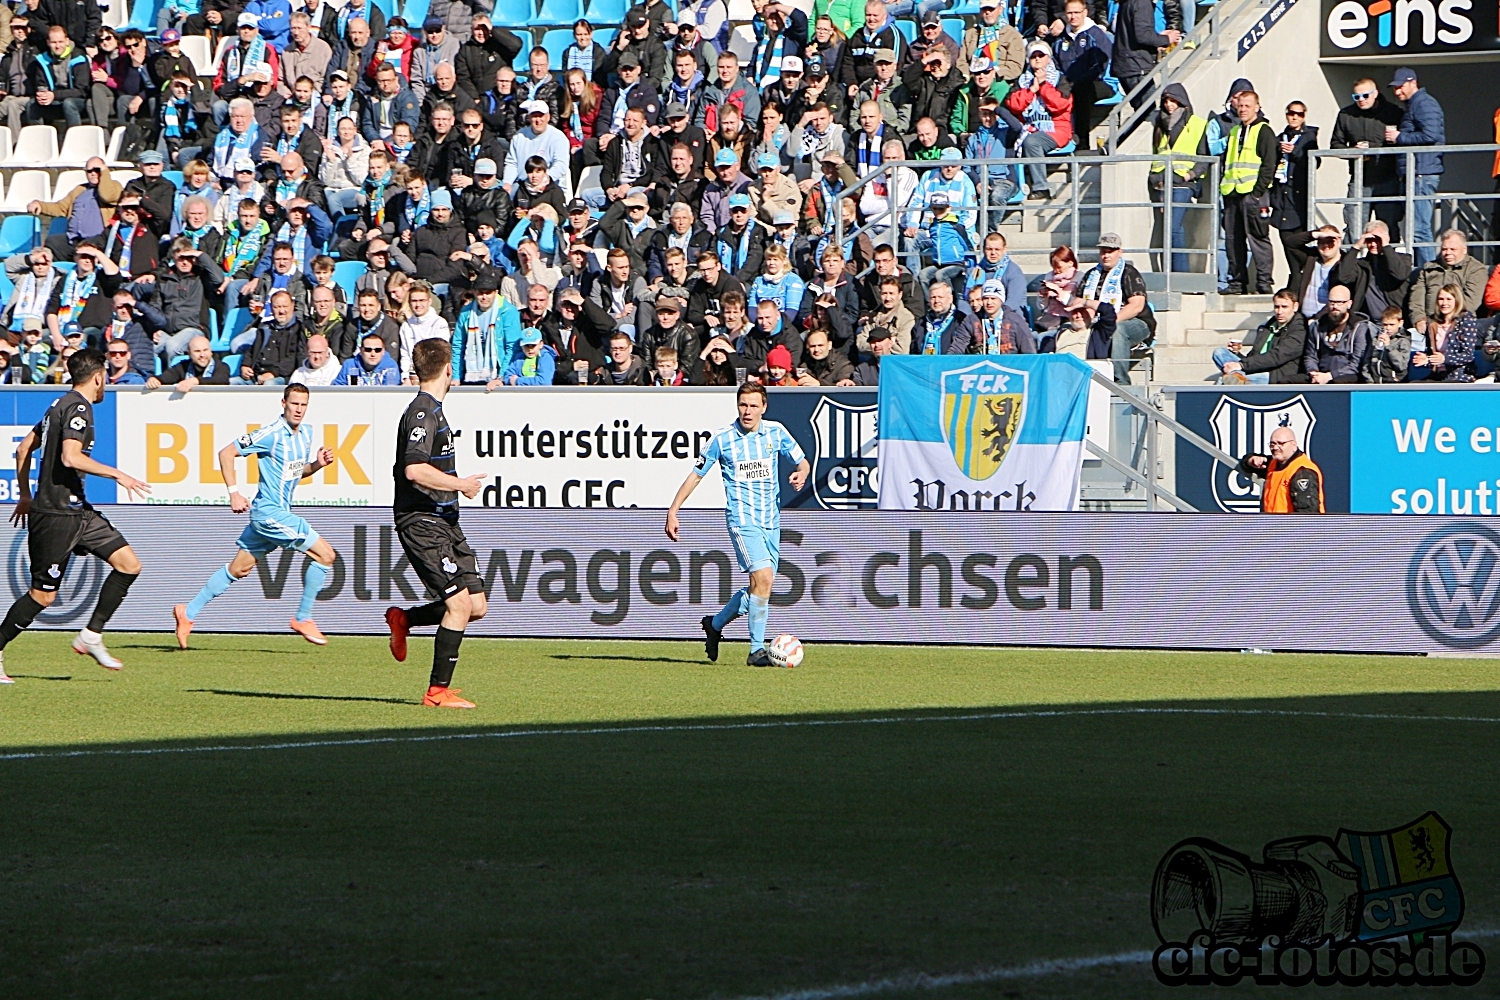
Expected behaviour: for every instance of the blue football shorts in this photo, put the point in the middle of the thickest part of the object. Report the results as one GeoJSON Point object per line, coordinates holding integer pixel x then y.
{"type": "Point", "coordinates": [756, 547]}
{"type": "Point", "coordinates": [280, 531]}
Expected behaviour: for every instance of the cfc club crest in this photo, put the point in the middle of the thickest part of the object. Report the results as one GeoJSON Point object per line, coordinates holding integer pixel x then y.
{"type": "Point", "coordinates": [983, 408]}
{"type": "Point", "coordinates": [1241, 428]}
{"type": "Point", "coordinates": [1406, 881]}
{"type": "Point", "coordinates": [846, 469]}
{"type": "Point", "coordinates": [1453, 586]}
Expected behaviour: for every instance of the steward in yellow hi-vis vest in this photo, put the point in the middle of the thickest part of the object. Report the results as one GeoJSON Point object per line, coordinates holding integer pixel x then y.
{"type": "Point", "coordinates": [1178, 133]}
{"type": "Point", "coordinates": [1249, 168]}
{"type": "Point", "coordinates": [1294, 483]}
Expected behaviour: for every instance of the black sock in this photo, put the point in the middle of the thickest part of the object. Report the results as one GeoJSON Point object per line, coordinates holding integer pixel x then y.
{"type": "Point", "coordinates": [445, 655]}
{"type": "Point", "coordinates": [426, 614]}
{"type": "Point", "coordinates": [21, 615]}
{"type": "Point", "coordinates": [115, 587]}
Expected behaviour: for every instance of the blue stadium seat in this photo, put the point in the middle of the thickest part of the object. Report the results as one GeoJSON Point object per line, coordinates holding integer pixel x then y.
{"type": "Point", "coordinates": [175, 176]}
{"type": "Point", "coordinates": [415, 12]}
{"type": "Point", "coordinates": [63, 265]}
{"type": "Point", "coordinates": [177, 360]}
{"type": "Point", "coordinates": [560, 11]}
{"type": "Point", "coordinates": [605, 36]}
{"type": "Point", "coordinates": [6, 286]}
{"type": "Point", "coordinates": [236, 322]}
{"type": "Point", "coordinates": [607, 12]}
{"type": "Point", "coordinates": [1066, 150]}
{"type": "Point", "coordinates": [232, 362]}
{"type": "Point", "coordinates": [514, 13]}
{"type": "Point", "coordinates": [346, 273]}
{"type": "Point", "coordinates": [385, 7]}
{"type": "Point", "coordinates": [18, 233]}
{"type": "Point", "coordinates": [57, 227]}
{"type": "Point", "coordinates": [555, 41]}
{"type": "Point", "coordinates": [143, 16]}
{"type": "Point", "coordinates": [954, 26]}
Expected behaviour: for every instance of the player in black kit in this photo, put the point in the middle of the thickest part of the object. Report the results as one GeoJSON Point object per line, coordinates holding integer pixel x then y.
{"type": "Point", "coordinates": [426, 509]}
{"type": "Point", "coordinates": [61, 522]}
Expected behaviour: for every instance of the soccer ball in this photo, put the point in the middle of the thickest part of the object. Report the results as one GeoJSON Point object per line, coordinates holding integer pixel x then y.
{"type": "Point", "coordinates": [785, 650]}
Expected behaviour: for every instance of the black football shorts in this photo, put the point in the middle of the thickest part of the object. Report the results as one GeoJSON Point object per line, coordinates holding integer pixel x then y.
{"type": "Point", "coordinates": [52, 539]}
{"type": "Point", "coordinates": [440, 554]}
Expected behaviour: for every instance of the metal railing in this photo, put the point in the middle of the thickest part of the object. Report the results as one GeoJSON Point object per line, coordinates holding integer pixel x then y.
{"type": "Point", "coordinates": [1457, 209]}
{"type": "Point", "coordinates": [1205, 41]}
{"type": "Point", "coordinates": [1147, 448]}
{"type": "Point", "coordinates": [1083, 199]}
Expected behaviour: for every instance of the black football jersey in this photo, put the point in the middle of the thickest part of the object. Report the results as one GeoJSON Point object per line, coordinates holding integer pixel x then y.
{"type": "Point", "coordinates": [59, 489]}
{"type": "Point", "coordinates": [424, 437]}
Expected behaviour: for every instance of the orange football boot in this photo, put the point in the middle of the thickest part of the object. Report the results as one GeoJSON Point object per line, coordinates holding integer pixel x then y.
{"type": "Point", "coordinates": [441, 697]}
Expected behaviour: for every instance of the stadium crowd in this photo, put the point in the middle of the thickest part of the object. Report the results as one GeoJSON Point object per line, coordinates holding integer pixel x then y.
{"type": "Point", "coordinates": [448, 158]}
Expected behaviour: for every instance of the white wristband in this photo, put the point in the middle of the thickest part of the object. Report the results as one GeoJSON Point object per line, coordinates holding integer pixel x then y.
{"type": "Point", "coordinates": [234, 491]}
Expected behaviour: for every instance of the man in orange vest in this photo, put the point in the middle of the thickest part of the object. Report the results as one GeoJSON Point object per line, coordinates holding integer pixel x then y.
{"type": "Point", "coordinates": [1294, 483]}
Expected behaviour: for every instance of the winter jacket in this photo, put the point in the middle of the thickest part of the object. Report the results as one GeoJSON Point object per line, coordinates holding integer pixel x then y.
{"type": "Point", "coordinates": [1289, 196]}
{"type": "Point", "coordinates": [1468, 274]}
{"type": "Point", "coordinates": [1374, 282]}
{"type": "Point", "coordinates": [1355, 125]}
{"type": "Point", "coordinates": [858, 63]}
{"type": "Point", "coordinates": [1084, 55]}
{"type": "Point", "coordinates": [1422, 125]}
{"type": "Point", "coordinates": [1136, 40]}
{"type": "Point", "coordinates": [404, 108]}
{"type": "Point", "coordinates": [1344, 360]}
{"type": "Point", "coordinates": [1056, 109]}
{"type": "Point", "coordinates": [1277, 352]}
{"type": "Point", "coordinates": [477, 63]}
{"type": "Point", "coordinates": [278, 350]}
{"type": "Point", "coordinates": [1390, 363]}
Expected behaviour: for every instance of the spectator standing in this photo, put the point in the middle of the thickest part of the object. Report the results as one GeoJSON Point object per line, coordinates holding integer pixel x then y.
{"type": "Point", "coordinates": [15, 64]}
{"type": "Point", "coordinates": [878, 34]}
{"type": "Point", "coordinates": [1249, 167]}
{"type": "Point", "coordinates": [1083, 52]}
{"type": "Point", "coordinates": [1289, 185]}
{"type": "Point", "coordinates": [1421, 125]}
{"type": "Point", "coordinates": [1180, 133]}
{"type": "Point", "coordinates": [1338, 341]}
{"type": "Point", "coordinates": [1137, 43]}
{"type": "Point", "coordinates": [1273, 353]}
{"type": "Point", "coordinates": [1362, 125]}
{"type": "Point", "coordinates": [994, 39]}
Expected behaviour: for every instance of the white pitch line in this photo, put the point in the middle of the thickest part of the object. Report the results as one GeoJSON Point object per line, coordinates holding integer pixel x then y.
{"type": "Point", "coordinates": [733, 726]}
{"type": "Point", "coordinates": [912, 981]}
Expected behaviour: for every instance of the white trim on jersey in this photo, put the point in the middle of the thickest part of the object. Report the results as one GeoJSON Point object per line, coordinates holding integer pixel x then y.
{"type": "Point", "coordinates": [283, 453]}
{"type": "Point", "coordinates": [751, 473]}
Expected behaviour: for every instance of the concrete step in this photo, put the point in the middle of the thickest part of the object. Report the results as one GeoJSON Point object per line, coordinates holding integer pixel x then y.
{"type": "Point", "coordinates": [1218, 319]}
{"type": "Point", "coordinates": [1206, 338]}
{"type": "Point", "coordinates": [1185, 355]}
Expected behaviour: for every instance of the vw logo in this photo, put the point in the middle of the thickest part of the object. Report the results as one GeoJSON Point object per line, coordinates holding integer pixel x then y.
{"type": "Point", "coordinates": [76, 593]}
{"type": "Point", "coordinates": [1453, 586]}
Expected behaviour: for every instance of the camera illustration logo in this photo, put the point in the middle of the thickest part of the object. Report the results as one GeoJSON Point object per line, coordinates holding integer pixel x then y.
{"type": "Point", "coordinates": [1360, 909]}
{"type": "Point", "coordinates": [1453, 585]}
{"type": "Point", "coordinates": [76, 594]}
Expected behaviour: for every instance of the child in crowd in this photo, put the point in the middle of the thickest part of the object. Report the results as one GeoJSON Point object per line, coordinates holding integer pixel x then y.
{"type": "Point", "coordinates": [667, 372]}
{"type": "Point", "coordinates": [33, 353]}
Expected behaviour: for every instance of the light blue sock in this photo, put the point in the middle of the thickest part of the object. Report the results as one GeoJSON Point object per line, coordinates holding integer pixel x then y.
{"type": "Point", "coordinates": [732, 610]}
{"type": "Point", "coordinates": [216, 585]}
{"type": "Point", "coordinates": [312, 586]}
{"type": "Point", "coordinates": [759, 608]}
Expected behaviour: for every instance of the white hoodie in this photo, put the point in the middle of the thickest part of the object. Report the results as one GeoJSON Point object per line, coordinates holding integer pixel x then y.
{"type": "Point", "coordinates": [420, 328]}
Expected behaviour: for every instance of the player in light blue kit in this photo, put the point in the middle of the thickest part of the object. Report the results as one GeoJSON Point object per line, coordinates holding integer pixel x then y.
{"type": "Point", "coordinates": [287, 456]}
{"type": "Point", "coordinates": [746, 452]}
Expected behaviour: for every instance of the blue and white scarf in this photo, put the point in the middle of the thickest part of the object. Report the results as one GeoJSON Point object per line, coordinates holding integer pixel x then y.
{"type": "Point", "coordinates": [1108, 289]}
{"type": "Point", "coordinates": [177, 117]}
{"type": "Point", "coordinates": [580, 57]}
{"type": "Point", "coordinates": [617, 118]}
{"type": "Point", "coordinates": [300, 240]}
{"type": "Point", "coordinates": [867, 154]}
{"type": "Point", "coordinates": [229, 147]}
{"type": "Point", "coordinates": [74, 294]}
{"type": "Point", "coordinates": [415, 216]}
{"type": "Point", "coordinates": [126, 245]}
{"type": "Point", "coordinates": [766, 63]}
{"type": "Point", "coordinates": [337, 111]}
{"type": "Point", "coordinates": [375, 188]}
{"type": "Point", "coordinates": [288, 143]}
{"type": "Point", "coordinates": [254, 59]}
{"type": "Point", "coordinates": [932, 336]}
{"type": "Point", "coordinates": [735, 257]}
{"type": "Point", "coordinates": [480, 360]}
{"type": "Point", "coordinates": [1036, 113]}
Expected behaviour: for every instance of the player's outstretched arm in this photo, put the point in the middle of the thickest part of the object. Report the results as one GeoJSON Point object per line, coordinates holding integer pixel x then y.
{"type": "Point", "coordinates": [683, 492]}
{"type": "Point", "coordinates": [433, 478]}
{"type": "Point", "coordinates": [23, 479]}
{"type": "Point", "coordinates": [799, 475]}
{"type": "Point", "coordinates": [74, 458]}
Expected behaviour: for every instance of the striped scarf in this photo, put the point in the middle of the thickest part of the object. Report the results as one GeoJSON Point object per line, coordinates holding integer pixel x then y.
{"type": "Point", "coordinates": [580, 57]}
{"type": "Point", "coordinates": [300, 240]}
{"type": "Point", "coordinates": [74, 294]}
{"type": "Point", "coordinates": [254, 59]}
{"type": "Point", "coordinates": [243, 249]}
{"type": "Point", "coordinates": [767, 60]}
{"type": "Point", "coordinates": [867, 152]}
{"type": "Point", "coordinates": [999, 337]}
{"type": "Point", "coordinates": [229, 147]}
{"type": "Point", "coordinates": [176, 116]}
{"type": "Point", "coordinates": [375, 194]}
{"type": "Point", "coordinates": [33, 297]}
{"type": "Point", "coordinates": [415, 216]}
{"type": "Point", "coordinates": [733, 257]}
{"type": "Point", "coordinates": [288, 143]}
{"type": "Point", "coordinates": [1036, 113]}
{"type": "Point", "coordinates": [480, 361]}
{"type": "Point", "coordinates": [126, 245]}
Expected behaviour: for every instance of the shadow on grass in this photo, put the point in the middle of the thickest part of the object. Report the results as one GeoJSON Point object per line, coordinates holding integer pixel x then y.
{"type": "Point", "coordinates": [288, 696]}
{"type": "Point", "coordinates": [632, 659]}
{"type": "Point", "coordinates": [40, 677]}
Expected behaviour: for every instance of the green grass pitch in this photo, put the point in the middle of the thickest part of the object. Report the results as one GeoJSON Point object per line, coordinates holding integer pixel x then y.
{"type": "Point", "coordinates": [637, 840]}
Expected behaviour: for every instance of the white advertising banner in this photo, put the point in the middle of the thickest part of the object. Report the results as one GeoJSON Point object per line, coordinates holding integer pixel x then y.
{"type": "Point", "coordinates": [534, 447]}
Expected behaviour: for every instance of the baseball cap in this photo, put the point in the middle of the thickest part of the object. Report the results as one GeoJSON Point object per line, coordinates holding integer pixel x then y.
{"type": "Point", "coordinates": [635, 18]}
{"type": "Point", "coordinates": [1037, 45]}
{"type": "Point", "coordinates": [815, 68]}
{"type": "Point", "coordinates": [988, 4]}
{"type": "Point", "coordinates": [676, 110]}
{"type": "Point", "coordinates": [531, 335]}
{"type": "Point", "coordinates": [668, 302]}
{"type": "Point", "coordinates": [938, 199]}
{"type": "Point", "coordinates": [486, 283]}
{"type": "Point", "coordinates": [993, 289]}
{"type": "Point", "coordinates": [784, 218]}
{"type": "Point", "coordinates": [791, 64]}
{"type": "Point", "coordinates": [151, 156]}
{"type": "Point", "coordinates": [485, 167]}
{"type": "Point", "coordinates": [247, 20]}
{"type": "Point", "coordinates": [884, 55]}
{"type": "Point", "coordinates": [876, 333]}
{"type": "Point", "coordinates": [171, 35]}
{"type": "Point", "coordinates": [244, 163]}
{"type": "Point", "coordinates": [739, 200]}
{"type": "Point", "coordinates": [535, 107]}
{"type": "Point", "coordinates": [979, 64]}
{"type": "Point", "coordinates": [931, 17]}
{"type": "Point", "coordinates": [441, 199]}
{"type": "Point", "coordinates": [1110, 241]}
{"type": "Point", "coordinates": [951, 155]}
{"type": "Point", "coordinates": [31, 324]}
{"type": "Point", "coordinates": [577, 205]}
{"type": "Point", "coordinates": [767, 161]}
{"type": "Point", "coordinates": [339, 74]}
{"type": "Point", "coordinates": [779, 357]}
{"type": "Point", "coordinates": [629, 61]}
{"type": "Point", "coordinates": [1403, 75]}
{"type": "Point", "coordinates": [434, 24]}
{"type": "Point", "coordinates": [725, 158]}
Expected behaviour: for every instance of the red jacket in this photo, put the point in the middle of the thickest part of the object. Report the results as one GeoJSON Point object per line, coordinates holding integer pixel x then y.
{"type": "Point", "coordinates": [1060, 109]}
{"type": "Point", "coordinates": [272, 60]}
{"type": "Point", "coordinates": [403, 65]}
